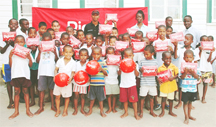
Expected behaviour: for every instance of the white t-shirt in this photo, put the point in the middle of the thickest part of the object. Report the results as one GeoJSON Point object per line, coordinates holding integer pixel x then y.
{"type": "Point", "coordinates": [68, 68]}
{"type": "Point", "coordinates": [47, 63]}
{"type": "Point", "coordinates": [19, 32]}
{"type": "Point", "coordinates": [5, 56]}
{"type": "Point", "coordinates": [20, 67]}
{"type": "Point", "coordinates": [112, 78]}
{"type": "Point", "coordinates": [205, 66]}
{"type": "Point", "coordinates": [128, 79]}
{"type": "Point", "coordinates": [78, 68]}
{"type": "Point", "coordinates": [89, 49]}
{"type": "Point", "coordinates": [180, 55]}
{"type": "Point", "coordinates": [159, 54]}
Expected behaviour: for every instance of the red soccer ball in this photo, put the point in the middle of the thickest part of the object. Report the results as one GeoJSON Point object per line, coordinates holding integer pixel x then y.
{"type": "Point", "coordinates": [81, 77]}
{"type": "Point", "coordinates": [61, 79]}
{"type": "Point", "coordinates": [127, 65]}
{"type": "Point", "coordinates": [92, 67]}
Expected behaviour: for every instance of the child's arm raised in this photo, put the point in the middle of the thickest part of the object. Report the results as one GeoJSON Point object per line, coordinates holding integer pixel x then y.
{"type": "Point", "coordinates": [30, 59]}
{"type": "Point", "coordinates": [10, 58]}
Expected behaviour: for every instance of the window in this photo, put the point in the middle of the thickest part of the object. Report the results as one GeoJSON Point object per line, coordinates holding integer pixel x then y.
{"type": "Point", "coordinates": [160, 9]}
{"type": "Point", "coordinates": [101, 3]}
{"type": "Point", "coordinates": [25, 7]}
{"type": "Point", "coordinates": [213, 10]}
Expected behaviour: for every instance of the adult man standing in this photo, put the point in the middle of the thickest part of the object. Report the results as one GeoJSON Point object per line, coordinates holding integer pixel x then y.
{"type": "Point", "coordinates": [93, 26]}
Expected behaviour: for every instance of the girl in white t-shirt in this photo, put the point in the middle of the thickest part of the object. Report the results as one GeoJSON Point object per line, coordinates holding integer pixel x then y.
{"type": "Point", "coordinates": [20, 75]}
{"type": "Point", "coordinates": [111, 83]}
{"type": "Point", "coordinates": [205, 67]}
{"type": "Point", "coordinates": [80, 89]}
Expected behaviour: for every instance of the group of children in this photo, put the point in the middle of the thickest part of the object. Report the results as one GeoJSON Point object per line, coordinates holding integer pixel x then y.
{"type": "Point", "coordinates": [41, 67]}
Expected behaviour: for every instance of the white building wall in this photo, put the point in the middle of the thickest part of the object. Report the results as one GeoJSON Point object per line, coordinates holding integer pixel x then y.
{"type": "Point", "coordinates": [68, 3]}
{"type": "Point", "coordinates": [134, 3]}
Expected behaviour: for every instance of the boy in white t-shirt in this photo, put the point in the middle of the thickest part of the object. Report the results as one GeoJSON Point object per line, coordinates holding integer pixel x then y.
{"type": "Point", "coordinates": [5, 48]}
{"type": "Point", "coordinates": [20, 75]}
{"type": "Point", "coordinates": [80, 89]}
{"type": "Point", "coordinates": [24, 25]}
{"type": "Point", "coordinates": [64, 65]}
{"type": "Point", "coordinates": [205, 67]}
{"type": "Point", "coordinates": [128, 91]}
{"type": "Point", "coordinates": [46, 69]}
{"type": "Point", "coordinates": [111, 83]}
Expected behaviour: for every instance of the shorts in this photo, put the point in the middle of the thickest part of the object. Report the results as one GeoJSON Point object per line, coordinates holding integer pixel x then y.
{"type": "Point", "coordinates": [112, 89]}
{"type": "Point", "coordinates": [170, 96]}
{"type": "Point", "coordinates": [79, 88]}
{"type": "Point", "coordinates": [128, 94]}
{"type": "Point", "coordinates": [44, 82]}
{"type": "Point", "coordinates": [151, 90]}
{"type": "Point", "coordinates": [65, 91]}
{"type": "Point", "coordinates": [189, 96]}
{"type": "Point", "coordinates": [97, 92]}
{"type": "Point", "coordinates": [33, 76]}
{"type": "Point", "coordinates": [6, 72]}
{"type": "Point", "coordinates": [207, 77]}
{"type": "Point", "coordinates": [21, 82]}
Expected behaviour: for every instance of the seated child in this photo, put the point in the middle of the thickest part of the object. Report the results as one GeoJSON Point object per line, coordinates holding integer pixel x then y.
{"type": "Point", "coordinates": [52, 32]}
{"type": "Point", "coordinates": [20, 75]}
{"type": "Point", "coordinates": [189, 86]}
{"type": "Point", "coordinates": [42, 28]}
{"type": "Point", "coordinates": [148, 84]}
{"type": "Point", "coordinates": [97, 83]}
{"type": "Point", "coordinates": [64, 65]}
{"type": "Point", "coordinates": [70, 30]}
{"type": "Point", "coordinates": [80, 89]}
{"type": "Point", "coordinates": [55, 25]}
{"type": "Point", "coordinates": [111, 83]}
{"type": "Point", "coordinates": [128, 91]}
{"type": "Point", "coordinates": [46, 62]}
{"type": "Point", "coordinates": [5, 48]}
{"type": "Point", "coordinates": [167, 89]}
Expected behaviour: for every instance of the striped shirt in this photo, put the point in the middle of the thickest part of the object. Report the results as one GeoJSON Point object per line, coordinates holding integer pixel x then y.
{"type": "Point", "coordinates": [98, 79]}
{"type": "Point", "coordinates": [149, 80]}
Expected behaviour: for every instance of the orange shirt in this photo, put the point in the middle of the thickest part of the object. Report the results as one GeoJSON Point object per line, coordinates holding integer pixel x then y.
{"type": "Point", "coordinates": [170, 86]}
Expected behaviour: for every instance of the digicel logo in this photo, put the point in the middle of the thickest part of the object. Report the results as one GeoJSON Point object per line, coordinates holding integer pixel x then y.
{"type": "Point", "coordinates": [164, 75]}
{"type": "Point", "coordinates": [76, 25]}
{"type": "Point", "coordinates": [114, 59]}
{"type": "Point", "coordinates": [149, 70]}
{"type": "Point", "coordinates": [9, 36]}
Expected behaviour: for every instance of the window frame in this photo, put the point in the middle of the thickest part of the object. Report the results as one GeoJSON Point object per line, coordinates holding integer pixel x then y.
{"type": "Point", "coordinates": [101, 3]}
{"type": "Point", "coordinates": [166, 12]}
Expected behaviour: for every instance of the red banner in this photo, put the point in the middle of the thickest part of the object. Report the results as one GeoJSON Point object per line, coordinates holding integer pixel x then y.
{"type": "Point", "coordinates": [78, 18]}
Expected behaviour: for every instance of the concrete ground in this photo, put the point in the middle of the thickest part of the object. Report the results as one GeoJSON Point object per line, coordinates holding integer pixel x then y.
{"type": "Point", "coordinates": [204, 113]}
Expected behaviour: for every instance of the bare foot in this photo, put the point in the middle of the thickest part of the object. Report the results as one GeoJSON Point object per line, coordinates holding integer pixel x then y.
{"type": "Point", "coordinates": [75, 112]}
{"type": "Point", "coordinates": [162, 114]}
{"type": "Point", "coordinates": [57, 113]}
{"type": "Point", "coordinates": [124, 115]}
{"type": "Point", "coordinates": [114, 110]}
{"type": "Point", "coordinates": [137, 117]}
{"type": "Point", "coordinates": [64, 114]}
{"type": "Point", "coordinates": [53, 108]}
{"type": "Point", "coordinates": [108, 111]}
{"type": "Point", "coordinates": [83, 112]}
{"type": "Point", "coordinates": [172, 114]}
{"type": "Point", "coordinates": [30, 114]}
{"type": "Point", "coordinates": [10, 106]}
{"type": "Point", "coordinates": [178, 105]}
{"type": "Point", "coordinates": [88, 113]}
{"type": "Point", "coordinates": [186, 121]}
{"type": "Point", "coordinates": [32, 104]}
{"type": "Point", "coordinates": [203, 101]}
{"type": "Point", "coordinates": [102, 114]}
{"type": "Point", "coordinates": [212, 85]}
{"type": "Point", "coordinates": [193, 108]}
{"type": "Point", "coordinates": [141, 114]}
{"type": "Point", "coordinates": [192, 118]}
{"type": "Point", "coordinates": [15, 114]}
{"type": "Point", "coordinates": [39, 111]}
{"type": "Point", "coordinates": [153, 114]}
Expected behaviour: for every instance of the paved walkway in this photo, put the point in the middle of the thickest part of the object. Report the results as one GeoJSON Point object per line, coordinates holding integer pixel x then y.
{"type": "Point", "coordinates": [204, 113]}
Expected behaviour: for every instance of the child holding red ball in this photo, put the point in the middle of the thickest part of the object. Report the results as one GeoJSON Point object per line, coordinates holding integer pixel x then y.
{"type": "Point", "coordinates": [64, 65]}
